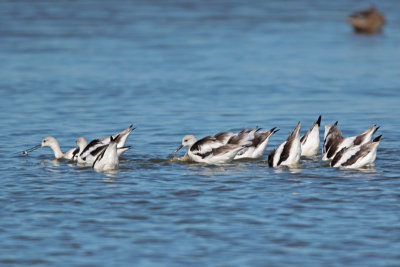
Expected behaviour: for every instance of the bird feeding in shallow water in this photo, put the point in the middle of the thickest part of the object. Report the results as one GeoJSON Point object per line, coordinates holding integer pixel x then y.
{"type": "Point", "coordinates": [357, 156]}
{"type": "Point", "coordinates": [253, 141]}
{"type": "Point", "coordinates": [53, 144]}
{"type": "Point", "coordinates": [288, 153]}
{"type": "Point", "coordinates": [82, 144]}
{"type": "Point", "coordinates": [310, 140]}
{"type": "Point", "coordinates": [92, 150]}
{"type": "Point", "coordinates": [334, 140]}
{"type": "Point", "coordinates": [209, 150]}
{"type": "Point", "coordinates": [83, 153]}
{"type": "Point", "coordinates": [249, 143]}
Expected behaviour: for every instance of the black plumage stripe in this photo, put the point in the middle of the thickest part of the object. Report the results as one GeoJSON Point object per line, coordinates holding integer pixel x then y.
{"type": "Point", "coordinates": [75, 152]}
{"type": "Point", "coordinates": [97, 150]}
{"type": "Point", "coordinates": [338, 156]}
{"type": "Point", "coordinates": [304, 138]}
{"type": "Point", "coordinates": [332, 144]}
{"type": "Point", "coordinates": [203, 155]}
{"type": "Point", "coordinates": [91, 144]}
{"type": "Point", "coordinates": [100, 156]}
{"type": "Point", "coordinates": [359, 139]}
{"type": "Point", "coordinates": [197, 146]}
{"type": "Point", "coordinates": [259, 138]}
{"type": "Point", "coordinates": [327, 142]}
{"type": "Point", "coordinates": [285, 151]}
{"type": "Point", "coordinates": [332, 149]}
{"type": "Point", "coordinates": [235, 139]}
{"type": "Point", "coordinates": [353, 159]}
{"type": "Point", "coordinates": [271, 158]}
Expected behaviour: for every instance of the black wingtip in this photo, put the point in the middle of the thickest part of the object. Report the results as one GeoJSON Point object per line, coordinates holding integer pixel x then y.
{"type": "Point", "coordinates": [376, 129]}
{"type": "Point", "coordinates": [336, 123]}
{"type": "Point", "coordinates": [377, 139]}
{"type": "Point", "coordinates": [319, 121]}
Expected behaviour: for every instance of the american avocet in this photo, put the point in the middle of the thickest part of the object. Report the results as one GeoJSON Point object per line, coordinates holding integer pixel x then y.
{"type": "Point", "coordinates": [52, 143]}
{"type": "Point", "coordinates": [259, 141]}
{"type": "Point", "coordinates": [357, 156]}
{"type": "Point", "coordinates": [310, 141]}
{"type": "Point", "coordinates": [334, 141]}
{"type": "Point", "coordinates": [288, 153]}
{"type": "Point", "coordinates": [244, 139]}
{"type": "Point", "coordinates": [367, 21]}
{"type": "Point", "coordinates": [89, 154]}
{"type": "Point", "coordinates": [209, 150]}
{"type": "Point", "coordinates": [82, 144]}
{"type": "Point", "coordinates": [107, 159]}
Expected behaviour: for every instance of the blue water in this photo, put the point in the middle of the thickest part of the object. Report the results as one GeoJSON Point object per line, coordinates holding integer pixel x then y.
{"type": "Point", "coordinates": [91, 68]}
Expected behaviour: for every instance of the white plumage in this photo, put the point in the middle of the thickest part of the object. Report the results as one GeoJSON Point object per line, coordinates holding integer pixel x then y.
{"type": "Point", "coordinates": [108, 157]}
{"type": "Point", "coordinates": [209, 150]}
{"type": "Point", "coordinates": [52, 143]}
{"type": "Point", "coordinates": [310, 141]}
{"type": "Point", "coordinates": [89, 154]}
{"type": "Point", "coordinates": [258, 143]}
{"type": "Point", "coordinates": [288, 153]}
{"type": "Point", "coordinates": [357, 156]}
{"type": "Point", "coordinates": [221, 147]}
{"type": "Point", "coordinates": [334, 141]}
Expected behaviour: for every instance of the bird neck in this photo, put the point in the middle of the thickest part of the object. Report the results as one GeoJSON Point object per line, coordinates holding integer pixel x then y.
{"type": "Point", "coordinates": [57, 150]}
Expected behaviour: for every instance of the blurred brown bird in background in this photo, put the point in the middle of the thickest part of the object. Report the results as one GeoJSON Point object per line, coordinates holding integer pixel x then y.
{"type": "Point", "coordinates": [367, 21]}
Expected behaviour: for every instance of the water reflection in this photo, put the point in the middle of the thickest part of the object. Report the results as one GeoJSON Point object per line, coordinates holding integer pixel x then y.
{"type": "Point", "coordinates": [296, 168]}
{"type": "Point", "coordinates": [109, 173]}
{"type": "Point", "coordinates": [54, 162]}
{"type": "Point", "coordinates": [367, 169]}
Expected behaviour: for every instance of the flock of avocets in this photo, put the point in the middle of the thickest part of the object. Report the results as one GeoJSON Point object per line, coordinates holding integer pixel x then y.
{"type": "Point", "coordinates": [224, 147]}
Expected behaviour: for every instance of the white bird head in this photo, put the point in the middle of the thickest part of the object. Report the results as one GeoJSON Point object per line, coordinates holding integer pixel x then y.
{"type": "Point", "coordinates": [188, 140]}
{"type": "Point", "coordinates": [49, 141]}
